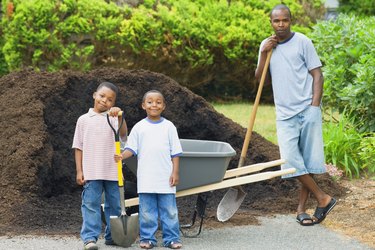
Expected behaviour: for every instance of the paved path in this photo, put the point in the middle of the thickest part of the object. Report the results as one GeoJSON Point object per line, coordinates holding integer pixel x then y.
{"type": "Point", "coordinates": [278, 233]}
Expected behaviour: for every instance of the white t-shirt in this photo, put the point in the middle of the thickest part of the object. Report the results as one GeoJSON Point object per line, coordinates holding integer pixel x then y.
{"type": "Point", "coordinates": [292, 83]}
{"type": "Point", "coordinates": [154, 144]}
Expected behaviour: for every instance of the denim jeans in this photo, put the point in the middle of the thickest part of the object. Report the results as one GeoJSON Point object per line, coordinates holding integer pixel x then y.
{"type": "Point", "coordinates": [300, 141]}
{"type": "Point", "coordinates": [153, 206]}
{"type": "Point", "coordinates": [91, 213]}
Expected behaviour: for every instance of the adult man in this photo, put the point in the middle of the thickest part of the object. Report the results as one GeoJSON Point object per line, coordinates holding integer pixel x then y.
{"type": "Point", "coordinates": [297, 83]}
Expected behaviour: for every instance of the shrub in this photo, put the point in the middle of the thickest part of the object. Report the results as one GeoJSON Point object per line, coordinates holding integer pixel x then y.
{"type": "Point", "coordinates": [210, 46]}
{"type": "Point", "coordinates": [344, 145]}
{"type": "Point", "coordinates": [363, 7]}
{"type": "Point", "coordinates": [53, 35]}
{"type": "Point", "coordinates": [367, 153]}
{"type": "Point", "coordinates": [347, 50]}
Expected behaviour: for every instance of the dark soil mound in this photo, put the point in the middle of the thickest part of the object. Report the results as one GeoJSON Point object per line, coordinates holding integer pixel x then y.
{"type": "Point", "coordinates": [39, 112]}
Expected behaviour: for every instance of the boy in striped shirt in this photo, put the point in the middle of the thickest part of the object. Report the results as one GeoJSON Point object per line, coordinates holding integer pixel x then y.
{"type": "Point", "coordinates": [96, 169]}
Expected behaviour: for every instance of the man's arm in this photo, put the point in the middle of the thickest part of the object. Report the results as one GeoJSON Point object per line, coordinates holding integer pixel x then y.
{"type": "Point", "coordinates": [267, 46]}
{"type": "Point", "coordinates": [318, 81]}
{"type": "Point", "coordinates": [123, 130]}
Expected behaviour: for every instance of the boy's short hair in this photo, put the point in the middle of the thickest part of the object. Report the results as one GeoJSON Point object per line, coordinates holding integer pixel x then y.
{"type": "Point", "coordinates": [152, 91]}
{"type": "Point", "coordinates": [109, 85]}
{"type": "Point", "coordinates": [281, 7]}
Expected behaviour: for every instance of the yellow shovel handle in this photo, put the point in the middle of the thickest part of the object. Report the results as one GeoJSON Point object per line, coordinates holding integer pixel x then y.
{"type": "Point", "coordinates": [119, 166]}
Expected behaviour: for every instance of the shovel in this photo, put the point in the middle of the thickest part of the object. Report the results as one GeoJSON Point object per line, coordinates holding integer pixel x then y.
{"type": "Point", "coordinates": [234, 197]}
{"type": "Point", "coordinates": [124, 229]}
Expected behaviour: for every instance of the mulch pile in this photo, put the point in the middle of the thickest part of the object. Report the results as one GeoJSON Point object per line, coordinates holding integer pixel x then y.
{"type": "Point", "coordinates": [38, 114]}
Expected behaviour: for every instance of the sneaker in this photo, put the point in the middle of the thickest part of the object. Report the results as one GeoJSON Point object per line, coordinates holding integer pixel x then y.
{"type": "Point", "coordinates": [146, 244]}
{"type": "Point", "coordinates": [110, 243]}
{"type": "Point", "coordinates": [90, 245]}
{"type": "Point", "coordinates": [174, 245]}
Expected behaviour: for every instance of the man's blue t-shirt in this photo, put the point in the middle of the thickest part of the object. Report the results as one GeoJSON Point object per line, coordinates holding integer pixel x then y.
{"type": "Point", "coordinates": [292, 83]}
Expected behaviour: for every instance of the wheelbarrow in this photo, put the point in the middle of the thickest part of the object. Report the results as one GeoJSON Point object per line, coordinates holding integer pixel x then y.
{"type": "Point", "coordinates": [203, 168]}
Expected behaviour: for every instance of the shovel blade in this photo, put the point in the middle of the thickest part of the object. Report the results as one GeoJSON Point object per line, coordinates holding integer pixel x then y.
{"type": "Point", "coordinates": [230, 203]}
{"type": "Point", "coordinates": [124, 229]}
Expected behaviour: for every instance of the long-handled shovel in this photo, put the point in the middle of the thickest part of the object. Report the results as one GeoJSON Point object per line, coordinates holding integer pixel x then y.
{"type": "Point", "coordinates": [124, 229]}
{"type": "Point", "coordinates": [234, 197]}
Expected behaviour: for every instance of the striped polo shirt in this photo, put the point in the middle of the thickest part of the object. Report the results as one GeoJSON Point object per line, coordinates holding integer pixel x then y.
{"type": "Point", "coordinates": [96, 139]}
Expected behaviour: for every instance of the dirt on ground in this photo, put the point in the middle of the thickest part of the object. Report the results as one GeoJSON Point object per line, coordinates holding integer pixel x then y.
{"type": "Point", "coordinates": [38, 192]}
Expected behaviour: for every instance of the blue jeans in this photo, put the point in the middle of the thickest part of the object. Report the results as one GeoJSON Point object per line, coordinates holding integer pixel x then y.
{"type": "Point", "coordinates": [91, 212]}
{"type": "Point", "coordinates": [153, 206]}
{"type": "Point", "coordinates": [300, 141]}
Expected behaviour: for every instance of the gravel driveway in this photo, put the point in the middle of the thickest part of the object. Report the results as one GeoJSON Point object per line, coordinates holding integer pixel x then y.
{"type": "Point", "coordinates": [278, 233]}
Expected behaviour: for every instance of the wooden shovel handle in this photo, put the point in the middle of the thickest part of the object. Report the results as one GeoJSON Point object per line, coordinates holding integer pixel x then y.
{"type": "Point", "coordinates": [254, 111]}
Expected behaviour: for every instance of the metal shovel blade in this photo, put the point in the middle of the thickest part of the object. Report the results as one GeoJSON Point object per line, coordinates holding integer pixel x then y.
{"type": "Point", "coordinates": [124, 229]}
{"type": "Point", "coordinates": [230, 203]}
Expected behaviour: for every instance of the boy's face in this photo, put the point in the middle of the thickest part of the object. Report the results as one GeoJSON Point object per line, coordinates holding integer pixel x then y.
{"type": "Point", "coordinates": [281, 21]}
{"type": "Point", "coordinates": [104, 99]}
{"type": "Point", "coordinates": [154, 105]}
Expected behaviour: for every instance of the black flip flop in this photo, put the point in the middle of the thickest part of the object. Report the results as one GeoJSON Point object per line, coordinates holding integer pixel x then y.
{"type": "Point", "coordinates": [303, 217]}
{"type": "Point", "coordinates": [321, 212]}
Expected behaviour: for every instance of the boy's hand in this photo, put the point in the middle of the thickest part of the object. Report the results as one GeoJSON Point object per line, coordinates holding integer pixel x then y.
{"type": "Point", "coordinates": [114, 111]}
{"type": "Point", "coordinates": [79, 179]}
{"type": "Point", "coordinates": [174, 180]}
{"type": "Point", "coordinates": [118, 157]}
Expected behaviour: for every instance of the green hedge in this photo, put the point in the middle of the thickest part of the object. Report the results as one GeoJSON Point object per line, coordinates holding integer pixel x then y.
{"type": "Point", "coordinates": [209, 46]}
{"type": "Point", "coordinates": [358, 7]}
{"type": "Point", "coordinates": [53, 35]}
{"type": "Point", "coordinates": [347, 49]}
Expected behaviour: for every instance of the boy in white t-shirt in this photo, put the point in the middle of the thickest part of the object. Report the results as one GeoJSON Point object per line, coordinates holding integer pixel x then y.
{"type": "Point", "coordinates": [96, 170]}
{"type": "Point", "coordinates": [154, 140]}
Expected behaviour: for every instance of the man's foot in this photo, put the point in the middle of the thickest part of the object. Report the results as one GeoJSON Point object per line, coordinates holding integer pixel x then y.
{"type": "Point", "coordinates": [90, 245]}
{"type": "Point", "coordinates": [304, 219]}
{"type": "Point", "coordinates": [321, 212]}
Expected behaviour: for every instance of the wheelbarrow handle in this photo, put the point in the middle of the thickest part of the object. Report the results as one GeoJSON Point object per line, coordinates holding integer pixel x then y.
{"type": "Point", "coordinates": [118, 147]}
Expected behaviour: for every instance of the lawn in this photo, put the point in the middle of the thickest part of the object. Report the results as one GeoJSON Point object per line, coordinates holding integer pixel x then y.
{"type": "Point", "coordinates": [264, 124]}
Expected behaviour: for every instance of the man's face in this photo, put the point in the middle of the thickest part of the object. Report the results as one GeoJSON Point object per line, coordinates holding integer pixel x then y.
{"type": "Point", "coordinates": [281, 21]}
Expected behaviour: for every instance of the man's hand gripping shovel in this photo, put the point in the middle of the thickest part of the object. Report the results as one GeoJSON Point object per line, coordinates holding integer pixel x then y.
{"type": "Point", "coordinates": [124, 229]}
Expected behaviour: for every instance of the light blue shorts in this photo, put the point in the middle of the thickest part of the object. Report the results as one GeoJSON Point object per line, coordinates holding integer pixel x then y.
{"type": "Point", "coordinates": [301, 142]}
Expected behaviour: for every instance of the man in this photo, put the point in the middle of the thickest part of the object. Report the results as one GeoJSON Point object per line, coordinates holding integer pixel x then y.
{"type": "Point", "coordinates": [297, 82]}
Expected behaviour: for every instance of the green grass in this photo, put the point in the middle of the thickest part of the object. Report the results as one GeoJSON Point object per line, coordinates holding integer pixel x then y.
{"type": "Point", "coordinates": [265, 120]}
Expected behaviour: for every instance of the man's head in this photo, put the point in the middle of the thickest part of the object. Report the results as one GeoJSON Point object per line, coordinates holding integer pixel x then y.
{"type": "Point", "coordinates": [281, 19]}
{"type": "Point", "coordinates": [105, 97]}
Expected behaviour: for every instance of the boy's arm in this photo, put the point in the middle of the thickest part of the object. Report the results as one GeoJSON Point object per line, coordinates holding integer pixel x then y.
{"type": "Point", "coordinates": [79, 171]}
{"type": "Point", "coordinates": [125, 155]}
{"type": "Point", "coordinates": [175, 177]}
{"type": "Point", "coordinates": [123, 130]}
